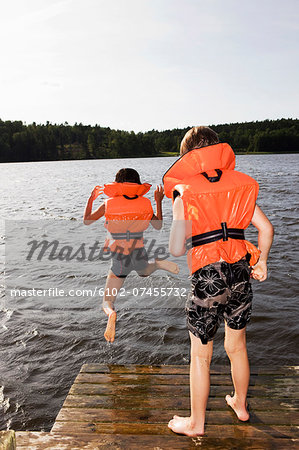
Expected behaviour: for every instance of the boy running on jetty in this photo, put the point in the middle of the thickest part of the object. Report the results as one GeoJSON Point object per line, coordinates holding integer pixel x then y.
{"type": "Point", "coordinates": [127, 215]}
{"type": "Point", "coordinates": [221, 203]}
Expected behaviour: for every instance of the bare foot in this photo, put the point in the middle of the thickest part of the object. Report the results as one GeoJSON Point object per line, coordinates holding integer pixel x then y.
{"type": "Point", "coordinates": [165, 264]}
{"type": "Point", "coordinates": [182, 425]}
{"type": "Point", "coordinates": [241, 411]}
{"type": "Point", "coordinates": [110, 328]}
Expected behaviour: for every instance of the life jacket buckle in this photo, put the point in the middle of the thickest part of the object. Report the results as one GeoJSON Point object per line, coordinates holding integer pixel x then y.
{"type": "Point", "coordinates": [224, 231]}
{"type": "Point", "coordinates": [128, 235]}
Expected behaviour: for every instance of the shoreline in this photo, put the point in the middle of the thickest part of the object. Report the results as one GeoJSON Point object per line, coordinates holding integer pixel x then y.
{"type": "Point", "coordinates": [166, 155]}
{"type": "Point", "coordinates": [169, 154]}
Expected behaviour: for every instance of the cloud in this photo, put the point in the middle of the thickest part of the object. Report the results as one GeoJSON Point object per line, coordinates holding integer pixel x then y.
{"type": "Point", "coordinates": [15, 20]}
{"type": "Point", "coordinates": [52, 84]}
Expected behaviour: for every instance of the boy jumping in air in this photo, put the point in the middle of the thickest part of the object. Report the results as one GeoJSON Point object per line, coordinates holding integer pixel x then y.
{"type": "Point", "coordinates": [128, 214]}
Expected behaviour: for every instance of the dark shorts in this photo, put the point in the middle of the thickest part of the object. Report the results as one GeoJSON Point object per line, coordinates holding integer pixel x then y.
{"type": "Point", "coordinates": [122, 265]}
{"type": "Point", "coordinates": [219, 291]}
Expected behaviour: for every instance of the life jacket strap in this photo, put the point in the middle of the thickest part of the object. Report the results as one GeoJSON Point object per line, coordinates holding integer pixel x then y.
{"type": "Point", "coordinates": [128, 235]}
{"type": "Point", "coordinates": [215, 235]}
{"type": "Point", "coordinates": [213, 179]}
{"type": "Point", "coordinates": [130, 198]}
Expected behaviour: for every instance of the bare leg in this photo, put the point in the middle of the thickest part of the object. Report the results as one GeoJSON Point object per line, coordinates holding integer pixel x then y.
{"type": "Point", "coordinates": [164, 264]}
{"type": "Point", "coordinates": [235, 346]}
{"type": "Point", "coordinates": [113, 285]}
{"type": "Point", "coordinates": [201, 356]}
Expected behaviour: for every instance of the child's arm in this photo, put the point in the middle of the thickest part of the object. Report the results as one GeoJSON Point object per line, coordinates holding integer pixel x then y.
{"type": "Point", "coordinates": [89, 216]}
{"type": "Point", "coordinates": [265, 239]}
{"type": "Point", "coordinates": [177, 246]}
{"type": "Point", "coordinates": [157, 218]}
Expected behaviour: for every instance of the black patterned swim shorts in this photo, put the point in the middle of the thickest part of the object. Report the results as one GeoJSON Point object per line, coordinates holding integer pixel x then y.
{"type": "Point", "coordinates": [219, 291]}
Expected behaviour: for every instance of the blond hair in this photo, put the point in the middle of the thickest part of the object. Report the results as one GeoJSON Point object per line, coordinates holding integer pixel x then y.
{"type": "Point", "coordinates": [198, 137]}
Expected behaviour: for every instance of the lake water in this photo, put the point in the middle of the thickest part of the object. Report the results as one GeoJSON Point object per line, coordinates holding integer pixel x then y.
{"type": "Point", "coordinates": [45, 340]}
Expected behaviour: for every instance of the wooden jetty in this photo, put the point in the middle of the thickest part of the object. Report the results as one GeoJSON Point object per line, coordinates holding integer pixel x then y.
{"type": "Point", "coordinates": [129, 406]}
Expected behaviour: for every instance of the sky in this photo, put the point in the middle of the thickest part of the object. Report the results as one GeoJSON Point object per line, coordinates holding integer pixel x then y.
{"type": "Point", "coordinates": [149, 64]}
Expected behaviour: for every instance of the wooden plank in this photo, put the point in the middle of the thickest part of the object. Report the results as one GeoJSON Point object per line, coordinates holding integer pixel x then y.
{"type": "Point", "coordinates": [180, 369]}
{"type": "Point", "coordinates": [145, 369]}
{"type": "Point", "coordinates": [163, 416]}
{"type": "Point", "coordinates": [216, 380]}
{"type": "Point", "coordinates": [7, 440]}
{"type": "Point", "coordinates": [142, 402]}
{"type": "Point", "coordinates": [214, 431]}
{"type": "Point", "coordinates": [35, 440]}
{"type": "Point", "coordinates": [172, 390]}
{"type": "Point", "coordinates": [117, 405]}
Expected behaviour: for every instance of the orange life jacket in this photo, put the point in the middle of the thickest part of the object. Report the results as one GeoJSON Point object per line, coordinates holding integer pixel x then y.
{"type": "Point", "coordinates": [127, 215]}
{"type": "Point", "coordinates": [218, 200]}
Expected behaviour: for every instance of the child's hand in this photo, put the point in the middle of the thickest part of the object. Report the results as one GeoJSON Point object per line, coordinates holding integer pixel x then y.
{"type": "Point", "coordinates": [259, 271]}
{"type": "Point", "coordinates": [96, 192]}
{"type": "Point", "coordinates": [159, 193]}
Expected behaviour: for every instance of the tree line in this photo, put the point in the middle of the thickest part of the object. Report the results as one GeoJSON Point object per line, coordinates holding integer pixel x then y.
{"type": "Point", "coordinates": [45, 142]}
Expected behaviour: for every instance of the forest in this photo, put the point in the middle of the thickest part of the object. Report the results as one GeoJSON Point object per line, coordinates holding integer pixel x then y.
{"type": "Point", "coordinates": [45, 142]}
